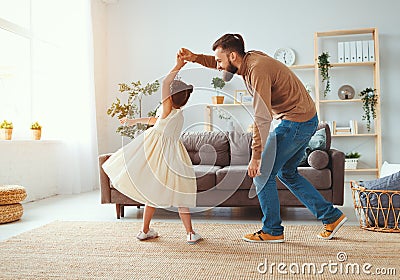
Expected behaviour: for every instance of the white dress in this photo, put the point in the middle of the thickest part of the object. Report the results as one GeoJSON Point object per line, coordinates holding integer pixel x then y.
{"type": "Point", "coordinates": [155, 168]}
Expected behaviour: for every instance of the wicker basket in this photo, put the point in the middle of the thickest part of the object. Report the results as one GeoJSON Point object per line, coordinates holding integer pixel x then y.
{"type": "Point", "coordinates": [10, 213]}
{"type": "Point", "coordinates": [10, 194]}
{"type": "Point", "coordinates": [377, 210]}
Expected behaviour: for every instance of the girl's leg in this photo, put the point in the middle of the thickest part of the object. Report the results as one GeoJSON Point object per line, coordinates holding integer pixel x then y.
{"type": "Point", "coordinates": [147, 215]}
{"type": "Point", "coordinates": [186, 220]}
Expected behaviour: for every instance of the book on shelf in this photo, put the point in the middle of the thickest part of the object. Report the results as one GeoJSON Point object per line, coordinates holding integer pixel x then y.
{"type": "Point", "coordinates": [353, 126]}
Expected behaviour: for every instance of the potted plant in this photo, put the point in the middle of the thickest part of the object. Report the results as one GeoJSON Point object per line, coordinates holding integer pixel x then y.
{"type": "Point", "coordinates": [217, 83]}
{"type": "Point", "coordinates": [369, 99]}
{"type": "Point", "coordinates": [6, 130]}
{"type": "Point", "coordinates": [351, 160]}
{"type": "Point", "coordinates": [324, 65]}
{"type": "Point", "coordinates": [133, 107]}
{"type": "Point", "coordinates": [36, 129]}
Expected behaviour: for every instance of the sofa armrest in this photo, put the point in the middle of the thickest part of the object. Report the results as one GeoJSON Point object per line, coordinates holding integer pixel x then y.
{"type": "Point", "coordinates": [104, 180]}
{"type": "Point", "coordinates": [337, 169]}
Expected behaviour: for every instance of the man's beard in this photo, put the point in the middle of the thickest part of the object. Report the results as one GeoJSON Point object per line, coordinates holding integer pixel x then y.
{"type": "Point", "coordinates": [228, 73]}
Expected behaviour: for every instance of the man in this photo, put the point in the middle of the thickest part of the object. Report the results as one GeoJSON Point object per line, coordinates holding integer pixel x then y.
{"type": "Point", "coordinates": [277, 93]}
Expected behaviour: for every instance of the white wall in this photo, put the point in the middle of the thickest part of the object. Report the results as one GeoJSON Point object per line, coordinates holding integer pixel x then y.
{"type": "Point", "coordinates": [138, 40]}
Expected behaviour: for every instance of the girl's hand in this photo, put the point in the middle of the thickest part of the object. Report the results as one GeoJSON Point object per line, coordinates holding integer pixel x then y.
{"type": "Point", "coordinates": [180, 62]}
{"type": "Point", "coordinates": [127, 121]}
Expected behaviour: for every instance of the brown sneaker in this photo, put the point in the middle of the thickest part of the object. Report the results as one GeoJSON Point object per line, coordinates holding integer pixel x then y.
{"type": "Point", "coordinates": [260, 237]}
{"type": "Point", "coordinates": [331, 229]}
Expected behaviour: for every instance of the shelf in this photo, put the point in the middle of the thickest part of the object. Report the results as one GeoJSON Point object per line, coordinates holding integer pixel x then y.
{"type": "Point", "coordinates": [302, 66]}
{"type": "Point", "coordinates": [350, 64]}
{"type": "Point", "coordinates": [346, 32]}
{"type": "Point", "coordinates": [229, 105]}
{"type": "Point", "coordinates": [355, 135]}
{"type": "Point", "coordinates": [340, 100]}
{"type": "Point", "coordinates": [362, 170]}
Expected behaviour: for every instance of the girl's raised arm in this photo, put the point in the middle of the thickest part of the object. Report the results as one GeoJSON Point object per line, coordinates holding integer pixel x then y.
{"type": "Point", "coordinates": [165, 89]}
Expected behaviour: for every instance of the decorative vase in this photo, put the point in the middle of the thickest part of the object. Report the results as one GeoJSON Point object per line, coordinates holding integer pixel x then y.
{"type": "Point", "coordinates": [217, 99]}
{"type": "Point", "coordinates": [36, 134]}
{"type": "Point", "coordinates": [6, 133]}
{"type": "Point", "coordinates": [350, 163]}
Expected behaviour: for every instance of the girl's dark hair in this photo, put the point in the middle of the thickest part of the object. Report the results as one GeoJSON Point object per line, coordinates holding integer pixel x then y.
{"type": "Point", "coordinates": [231, 43]}
{"type": "Point", "coordinates": [180, 93]}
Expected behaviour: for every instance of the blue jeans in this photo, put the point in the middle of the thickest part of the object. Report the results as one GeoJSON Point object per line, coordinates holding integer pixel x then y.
{"type": "Point", "coordinates": [282, 154]}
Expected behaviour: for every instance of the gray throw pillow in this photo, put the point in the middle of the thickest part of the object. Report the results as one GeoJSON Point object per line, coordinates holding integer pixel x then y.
{"type": "Point", "coordinates": [317, 142]}
{"type": "Point", "coordinates": [240, 145]}
{"type": "Point", "coordinates": [377, 212]}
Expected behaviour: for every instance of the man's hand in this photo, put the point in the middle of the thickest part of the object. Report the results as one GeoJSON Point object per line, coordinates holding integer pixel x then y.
{"type": "Point", "coordinates": [187, 55]}
{"type": "Point", "coordinates": [254, 168]}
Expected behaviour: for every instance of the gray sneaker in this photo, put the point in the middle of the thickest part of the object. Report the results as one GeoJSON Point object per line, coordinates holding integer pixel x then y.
{"type": "Point", "coordinates": [149, 235]}
{"type": "Point", "coordinates": [192, 238]}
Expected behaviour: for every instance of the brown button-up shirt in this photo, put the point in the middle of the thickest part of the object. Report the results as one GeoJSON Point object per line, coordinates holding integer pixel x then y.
{"type": "Point", "coordinates": [277, 93]}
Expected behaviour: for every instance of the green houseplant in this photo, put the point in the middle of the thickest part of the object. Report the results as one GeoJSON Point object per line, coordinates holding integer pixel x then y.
{"type": "Point", "coordinates": [217, 82]}
{"type": "Point", "coordinates": [369, 99]}
{"type": "Point", "coordinates": [351, 160]}
{"type": "Point", "coordinates": [324, 65]}
{"type": "Point", "coordinates": [6, 130]}
{"type": "Point", "coordinates": [36, 129]}
{"type": "Point", "coordinates": [133, 107]}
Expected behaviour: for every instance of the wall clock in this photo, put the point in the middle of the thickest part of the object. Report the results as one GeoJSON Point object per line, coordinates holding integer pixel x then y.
{"type": "Point", "coordinates": [285, 55]}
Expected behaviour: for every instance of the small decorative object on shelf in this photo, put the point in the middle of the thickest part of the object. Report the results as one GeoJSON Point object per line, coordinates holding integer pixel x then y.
{"type": "Point", "coordinates": [324, 65]}
{"type": "Point", "coordinates": [217, 82]}
{"type": "Point", "coordinates": [346, 92]}
{"type": "Point", "coordinates": [223, 114]}
{"type": "Point", "coordinates": [130, 109]}
{"type": "Point", "coordinates": [36, 131]}
{"type": "Point", "coordinates": [6, 128]}
{"type": "Point", "coordinates": [369, 99]}
{"type": "Point", "coordinates": [351, 160]}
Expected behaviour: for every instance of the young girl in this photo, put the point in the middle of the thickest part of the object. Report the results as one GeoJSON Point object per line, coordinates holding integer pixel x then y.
{"type": "Point", "coordinates": [155, 168]}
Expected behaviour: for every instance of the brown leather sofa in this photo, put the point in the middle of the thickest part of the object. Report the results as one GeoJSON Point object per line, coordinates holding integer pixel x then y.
{"type": "Point", "coordinates": [220, 161]}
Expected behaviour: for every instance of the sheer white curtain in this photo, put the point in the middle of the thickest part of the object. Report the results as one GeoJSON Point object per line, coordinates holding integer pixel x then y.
{"type": "Point", "coordinates": [63, 85]}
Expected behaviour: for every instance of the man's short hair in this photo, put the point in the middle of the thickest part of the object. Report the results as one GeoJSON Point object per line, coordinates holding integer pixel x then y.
{"type": "Point", "coordinates": [231, 43]}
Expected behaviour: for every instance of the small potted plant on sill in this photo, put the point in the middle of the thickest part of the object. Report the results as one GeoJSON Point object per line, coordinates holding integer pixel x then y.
{"type": "Point", "coordinates": [351, 160]}
{"type": "Point", "coordinates": [6, 128]}
{"type": "Point", "coordinates": [36, 129]}
{"type": "Point", "coordinates": [217, 83]}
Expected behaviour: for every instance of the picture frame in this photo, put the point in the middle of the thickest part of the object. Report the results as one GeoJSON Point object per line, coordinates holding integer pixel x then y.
{"type": "Point", "coordinates": [242, 96]}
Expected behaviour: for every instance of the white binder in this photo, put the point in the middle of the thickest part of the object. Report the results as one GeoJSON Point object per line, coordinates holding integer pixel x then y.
{"type": "Point", "coordinates": [359, 51]}
{"type": "Point", "coordinates": [340, 52]}
{"type": "Point", "coordinates": [365, 50]}
{"type": "Point", "coordinates": [353, 51]}
{"type": "Point", "coordinates": [347, 52]}
{"type": "Point", "coordinates": [371, 50]}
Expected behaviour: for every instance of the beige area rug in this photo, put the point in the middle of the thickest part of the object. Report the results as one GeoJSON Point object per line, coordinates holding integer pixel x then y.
{"type": "Point", "coordinates": [109, 250]}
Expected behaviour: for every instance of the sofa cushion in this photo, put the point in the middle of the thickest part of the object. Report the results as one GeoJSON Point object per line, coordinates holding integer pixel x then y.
{"type": "Point", "coordinates": [240, 147]}
{"type": "Point", "coordinates": [318, 159]}
{"type": "Point", "coordinates": [317, 142]}
{"type": "Point", "coordinates": [233, 177]}
{"type": "Point", "coordinates": [205, 176]}
{"type": "Point", "coordinates": [207, 148]}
